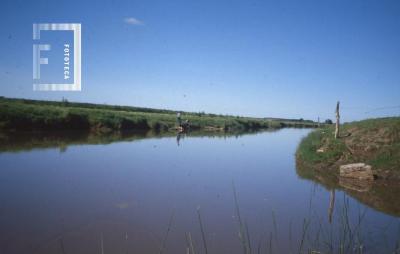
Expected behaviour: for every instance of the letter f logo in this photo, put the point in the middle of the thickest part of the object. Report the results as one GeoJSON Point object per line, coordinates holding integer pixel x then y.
{"type": "Point", "coordinates": [37, 60]}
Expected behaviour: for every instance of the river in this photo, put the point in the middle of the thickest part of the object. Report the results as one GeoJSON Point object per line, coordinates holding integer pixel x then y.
{"type": "Point", "coordinates": [168, 194]}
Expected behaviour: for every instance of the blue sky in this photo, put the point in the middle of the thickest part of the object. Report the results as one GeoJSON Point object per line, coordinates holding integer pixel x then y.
{"type": "Point", "coordinates": [257, 58]}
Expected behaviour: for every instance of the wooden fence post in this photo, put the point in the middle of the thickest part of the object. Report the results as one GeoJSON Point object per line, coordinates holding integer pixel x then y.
{"type": "Point", "coordinates": [337, 121]}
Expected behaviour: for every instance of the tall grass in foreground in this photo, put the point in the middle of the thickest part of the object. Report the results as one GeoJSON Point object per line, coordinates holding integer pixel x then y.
{"type": "Point", "coordinates": [345, 237]}
{"type": "Point", "coordinates": [167, 233]}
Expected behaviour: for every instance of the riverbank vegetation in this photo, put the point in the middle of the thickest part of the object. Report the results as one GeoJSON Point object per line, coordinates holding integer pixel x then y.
{"type": "Point", "coordinates": [374, 141]}
{"type": "Point", "coordinates": [23, 114]}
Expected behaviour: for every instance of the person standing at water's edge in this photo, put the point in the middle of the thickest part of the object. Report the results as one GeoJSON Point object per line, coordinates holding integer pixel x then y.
{"type": "Point", "coordinates": [178, 119]}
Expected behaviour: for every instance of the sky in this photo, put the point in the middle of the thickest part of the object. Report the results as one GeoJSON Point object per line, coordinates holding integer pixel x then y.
{"type": "Point", "coordinates": [290, 59]}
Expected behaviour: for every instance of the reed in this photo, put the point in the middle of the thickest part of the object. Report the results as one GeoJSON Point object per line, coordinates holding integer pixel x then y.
{"type": "Point", "coordinates": [202, 230]}
{"type": "Point", "coordinates": [164, 242]}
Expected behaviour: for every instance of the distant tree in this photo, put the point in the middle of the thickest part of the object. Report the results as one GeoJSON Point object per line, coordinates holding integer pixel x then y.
{"type": "Point", "coordinates": [328, 121]}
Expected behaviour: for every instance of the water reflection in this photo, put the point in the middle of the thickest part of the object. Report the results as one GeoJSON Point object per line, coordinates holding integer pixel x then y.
{"type": "Point", "coordinates": [331, 205]}
{"type": "Point", "coordinates": [141, 193]}
{"type": "Point", "coordinates": [180, 136]}
{"type": "Point", "coordinates": [379, 194]}
{"type": "Point", "coordinates": [26, 141]}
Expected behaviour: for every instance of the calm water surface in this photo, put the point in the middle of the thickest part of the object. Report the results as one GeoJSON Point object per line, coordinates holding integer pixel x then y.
{"type": "Point", "coordinates": [145, 196]}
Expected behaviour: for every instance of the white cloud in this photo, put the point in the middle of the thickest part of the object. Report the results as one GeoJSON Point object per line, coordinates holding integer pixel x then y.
{"type": "Point", "coordinates": [133, 21]}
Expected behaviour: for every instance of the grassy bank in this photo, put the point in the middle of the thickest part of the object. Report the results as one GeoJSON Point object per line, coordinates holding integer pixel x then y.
{"type": "Point", "coordinates": [22, 114]}
{"type": "Point", "coordinates": [373, 141]}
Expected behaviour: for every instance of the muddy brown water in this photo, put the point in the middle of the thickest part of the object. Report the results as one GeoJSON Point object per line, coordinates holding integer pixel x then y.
{"type": "Point", "coordinates": [145, 194]}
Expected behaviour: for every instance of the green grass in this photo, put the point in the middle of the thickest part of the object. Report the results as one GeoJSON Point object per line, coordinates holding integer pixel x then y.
{"type": "Point", "coordinates": [320, 139]}
{"type": "Point", "coordinates": [372, 141]}
{"type": "Point", "coordinates": [22, 114]}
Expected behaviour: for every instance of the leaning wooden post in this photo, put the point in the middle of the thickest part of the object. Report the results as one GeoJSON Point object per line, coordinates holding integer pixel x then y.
{"type": "Point", "coordinates": [337, 120]}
